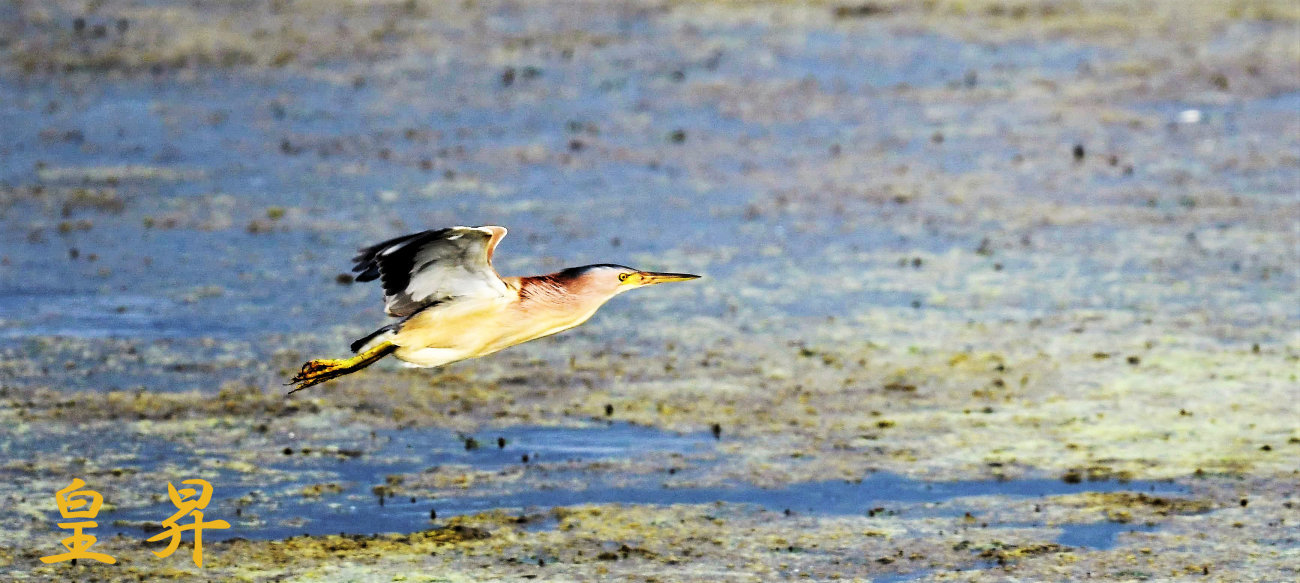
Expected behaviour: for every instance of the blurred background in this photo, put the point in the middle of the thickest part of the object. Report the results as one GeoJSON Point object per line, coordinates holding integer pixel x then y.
{"type": "Point", "coordinates": [1078, 220]}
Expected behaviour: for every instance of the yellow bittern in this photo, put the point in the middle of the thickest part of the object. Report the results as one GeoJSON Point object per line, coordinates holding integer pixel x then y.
{"type": "Point", "coordinates": [454, 306]}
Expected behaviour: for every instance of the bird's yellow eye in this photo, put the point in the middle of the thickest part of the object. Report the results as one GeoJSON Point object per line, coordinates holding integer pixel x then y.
{"type": "Point", "coordinates": [623, 276]}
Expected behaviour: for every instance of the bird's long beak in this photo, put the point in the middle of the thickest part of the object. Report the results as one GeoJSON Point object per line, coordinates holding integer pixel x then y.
{"type": "Point", "coordinates": [651, 278]}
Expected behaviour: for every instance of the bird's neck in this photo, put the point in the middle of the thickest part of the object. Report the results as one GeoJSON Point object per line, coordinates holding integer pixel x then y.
{"type": "Point", "coordinates": [549, 296]}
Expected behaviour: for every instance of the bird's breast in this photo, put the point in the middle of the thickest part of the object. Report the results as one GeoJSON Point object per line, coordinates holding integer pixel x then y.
{"type": "Point", "coordinates": [486, 327]}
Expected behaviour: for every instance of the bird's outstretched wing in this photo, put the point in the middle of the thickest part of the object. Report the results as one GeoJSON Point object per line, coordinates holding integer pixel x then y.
{"type": "Point", "coordinates": [433, 266]}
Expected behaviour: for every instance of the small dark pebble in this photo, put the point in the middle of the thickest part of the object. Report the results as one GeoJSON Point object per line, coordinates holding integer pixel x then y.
{"type": "Point", "coordinates": [501, 443]}
{"type": "Point", "coordinates": [1078, 152]}
{"type": "Point", "coordinates": [524, 458]}
{"type": "Point", "coordinates": [609, 409]}
{"type": "Point", "coordinates": [1244, 502]}
{"type": "Point", "coordinates": [343, 279]}
{"type": "Point", "coordinates": [677, 137]}
{"type": "Point", "coordinates": [288, 451]}
{"type": "Point", "coordinates": [471, 443]}
{"type": "Point", "coordinates": [717, 431]}
{"type": "Point", "coordinates": [860, 11]}
{"type": "Point", "coordinates": [433, 514]}
{"type": "Point", "coordinates": [1134, 360]}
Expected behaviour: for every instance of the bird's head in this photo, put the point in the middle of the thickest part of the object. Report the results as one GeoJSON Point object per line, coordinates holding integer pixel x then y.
{"type": "Point", "coordinates": [607, 281]}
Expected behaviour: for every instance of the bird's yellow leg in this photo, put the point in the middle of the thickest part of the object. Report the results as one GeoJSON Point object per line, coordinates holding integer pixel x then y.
{"type": "Point", "coordinates": [318, 371]}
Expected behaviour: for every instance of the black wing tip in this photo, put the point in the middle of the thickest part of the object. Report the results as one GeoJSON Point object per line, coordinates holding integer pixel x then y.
{"type": "Point", "coordinates": [366, 261]}
{"type": "Point", "coordinates": [389, 261]}
{"type": "Point", "coordinates": [368, 273]}
{"type": "Point", "coordinates": [367, 269]}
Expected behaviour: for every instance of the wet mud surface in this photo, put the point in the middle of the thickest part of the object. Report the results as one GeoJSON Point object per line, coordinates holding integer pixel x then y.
{"type": "Point", "coordinates": [993, 290]}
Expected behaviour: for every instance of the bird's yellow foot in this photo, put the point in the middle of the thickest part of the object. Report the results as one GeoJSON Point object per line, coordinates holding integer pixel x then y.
{"type": "Point", "coordinates": [315, 372]}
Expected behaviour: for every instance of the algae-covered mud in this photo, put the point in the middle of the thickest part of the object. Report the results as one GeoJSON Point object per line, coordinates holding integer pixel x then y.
{"type": "Point", "coordinates": [993, 290]}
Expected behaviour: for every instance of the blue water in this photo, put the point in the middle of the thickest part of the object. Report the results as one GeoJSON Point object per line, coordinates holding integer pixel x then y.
{"type": "Point", "coordinates": [559, 455]}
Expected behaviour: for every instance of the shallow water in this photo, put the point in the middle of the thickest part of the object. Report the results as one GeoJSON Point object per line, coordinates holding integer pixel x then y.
{"type": "Point", "coordinates": [566, 456]}
{"type": "Point", "coordinates": [212, 153]}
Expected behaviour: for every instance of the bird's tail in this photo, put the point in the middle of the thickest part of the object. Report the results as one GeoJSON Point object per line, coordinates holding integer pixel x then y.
{"type": "Point", "coordinates": [373, 339]}
{"type": "Point", "coordinates": [315, 372]}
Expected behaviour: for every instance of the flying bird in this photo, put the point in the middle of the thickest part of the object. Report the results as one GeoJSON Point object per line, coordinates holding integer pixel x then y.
{"type": "Point", "coordinates": [453, 305]}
